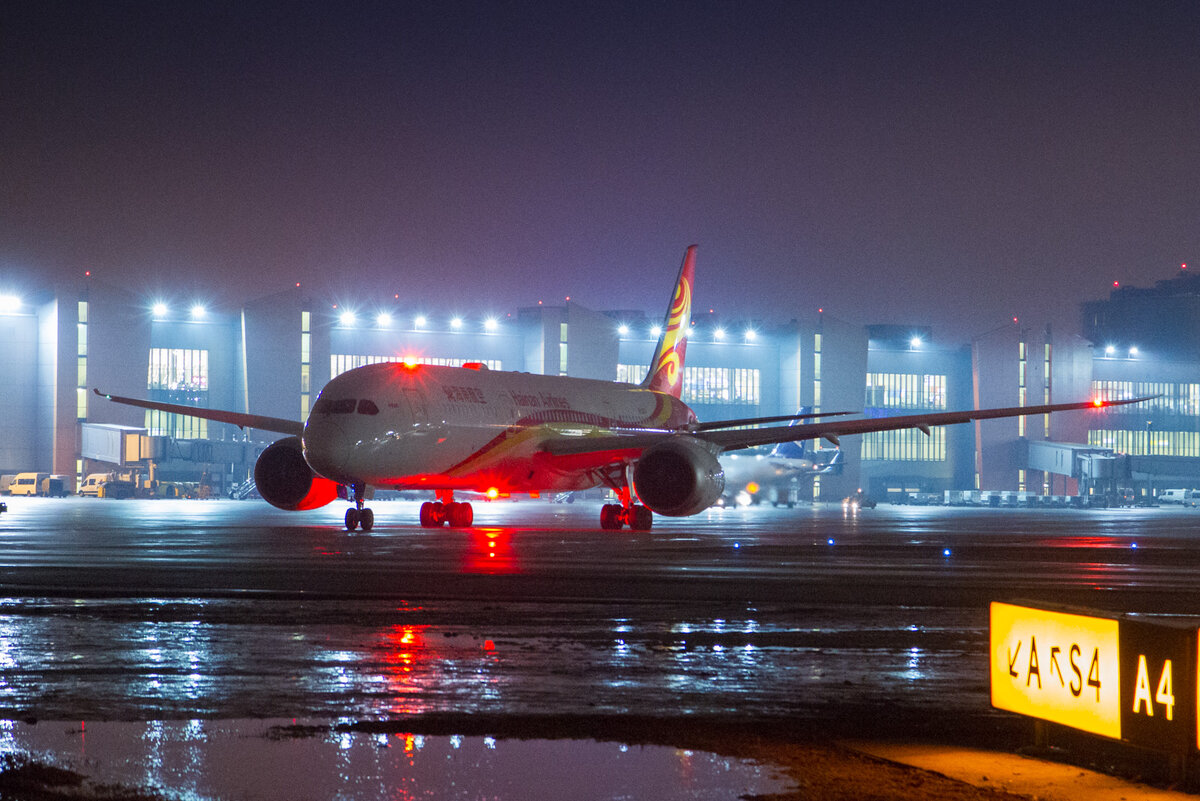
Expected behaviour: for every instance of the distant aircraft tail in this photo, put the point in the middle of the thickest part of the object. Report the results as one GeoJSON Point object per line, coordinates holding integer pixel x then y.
{"type": "Point", "coordinates": [666, 368]}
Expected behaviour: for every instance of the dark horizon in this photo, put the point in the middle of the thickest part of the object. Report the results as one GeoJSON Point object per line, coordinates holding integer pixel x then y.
{"type": "Point", "coordinates": [931, 164]}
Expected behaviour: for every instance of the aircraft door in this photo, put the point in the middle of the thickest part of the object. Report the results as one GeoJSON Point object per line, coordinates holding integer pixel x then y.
{"type": "Point", "coordinates": [417, 405]}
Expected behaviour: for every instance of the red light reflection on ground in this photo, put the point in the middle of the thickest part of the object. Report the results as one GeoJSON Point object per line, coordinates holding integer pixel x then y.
{"type": "Point", "coordinates": [490, 552]}
{"type": "Point", "coordinates": [405, 654]}
{"type": "Point", "coordinates": [1083, 542]}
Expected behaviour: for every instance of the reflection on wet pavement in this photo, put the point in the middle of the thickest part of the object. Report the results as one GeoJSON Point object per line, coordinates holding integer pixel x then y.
{"type": "Point", "coordinates": [259, 759]}
{"type": "Point", "coordinates": [162, 659]}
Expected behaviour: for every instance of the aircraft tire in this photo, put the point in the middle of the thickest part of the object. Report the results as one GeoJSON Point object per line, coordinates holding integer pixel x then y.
{"type": "Point", "coordinates": [610, 517]}
{"type": "Point", "coordinates": [460, 515]}
{"type": "Point", "coordinates": [429, 516]}
{"type": "Point", "coordinates": [352, 519]}
{"type": "Point", "coordinates": [643, 519]}
{"type": "Point", "coordinates": [366, 519]}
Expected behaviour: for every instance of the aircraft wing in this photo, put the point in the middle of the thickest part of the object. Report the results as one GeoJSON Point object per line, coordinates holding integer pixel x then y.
{"type": "Point", "coordinates": [748, 438]}
{"type": "Point", "coordinates": [277, 424]}
{"type": "Point", "coordinates": [751, 437]}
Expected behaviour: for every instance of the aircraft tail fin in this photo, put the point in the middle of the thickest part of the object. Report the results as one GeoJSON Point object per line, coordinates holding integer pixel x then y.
{"type": "Point", "coordinates": [666, 368]}
{"type": "Point", "coordinates": [791, 450]}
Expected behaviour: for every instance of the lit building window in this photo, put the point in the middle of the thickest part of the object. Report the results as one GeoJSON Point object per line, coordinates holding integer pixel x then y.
{"type": "Point", "coordinates": [735, 386]}
{"type": "Point", "coordinates": [177, 375]}
{"type": "Point", "coordinates": [906, 391]}
{"type": "Point", "coordinates": [905, 445]}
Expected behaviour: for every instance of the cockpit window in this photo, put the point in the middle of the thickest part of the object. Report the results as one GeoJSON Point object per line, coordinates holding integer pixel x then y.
{"type": "Point", "coordinates": [367, 407]}
{"type": "Point", "coordinates": [331, 406]}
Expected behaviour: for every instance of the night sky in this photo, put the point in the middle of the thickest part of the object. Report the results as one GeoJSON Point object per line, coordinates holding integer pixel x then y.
{"type": "Point", "coordinates": [947, 164]}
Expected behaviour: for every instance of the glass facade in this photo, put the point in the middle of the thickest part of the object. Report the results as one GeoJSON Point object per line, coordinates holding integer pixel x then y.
{"type": "Point", "coordinates": [906, 445]}
{"type": "Point", "coordinates": [905, 391]}
{"type": "Point", "coordinates": [1165, 425]}
{"type": "Point", "coordinates": [736, 386]}
{"type": "Point", "coordinates": [177, 375]}
{"type": "Point", "coordinates": [81, 353]}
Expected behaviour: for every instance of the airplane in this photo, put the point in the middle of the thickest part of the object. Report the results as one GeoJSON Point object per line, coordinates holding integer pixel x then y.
{"type": "Point", "coordinates": [749, 477]}
{"type": "Point", "coordinates": [407, 426]}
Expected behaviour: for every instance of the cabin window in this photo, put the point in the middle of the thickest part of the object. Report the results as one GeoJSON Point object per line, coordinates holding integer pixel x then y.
{"type": "Point", "coordinates": [367, 407]}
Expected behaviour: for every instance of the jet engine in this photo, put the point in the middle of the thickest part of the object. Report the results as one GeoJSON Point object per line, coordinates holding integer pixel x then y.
{"type": "Point", "coordinates": [678, 477]}
{"type": "Point", "coordinates": [286, 481]}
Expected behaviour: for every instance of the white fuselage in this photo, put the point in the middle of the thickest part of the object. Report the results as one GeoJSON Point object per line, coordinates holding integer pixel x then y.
{"type": "Point", "coordinates": [427, 427]}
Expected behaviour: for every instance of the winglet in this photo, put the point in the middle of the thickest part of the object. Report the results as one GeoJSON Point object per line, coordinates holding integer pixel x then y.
{"type": "Point", "coordinates": [666, 368]}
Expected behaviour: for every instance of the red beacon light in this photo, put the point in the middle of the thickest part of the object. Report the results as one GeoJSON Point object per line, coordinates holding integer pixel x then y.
{"type": "Point", "coordinates": [1098, 402]}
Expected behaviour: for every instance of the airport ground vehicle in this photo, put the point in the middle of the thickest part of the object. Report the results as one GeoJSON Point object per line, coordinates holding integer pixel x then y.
{"type": "Point", "coordinates": [27, 484]}
{"type": "Point", "coordinates": [1187, 497]}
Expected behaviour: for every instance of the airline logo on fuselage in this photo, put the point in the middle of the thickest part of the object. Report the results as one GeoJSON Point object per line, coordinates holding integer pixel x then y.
{"type": "Point", "coordinates": [540, 400]}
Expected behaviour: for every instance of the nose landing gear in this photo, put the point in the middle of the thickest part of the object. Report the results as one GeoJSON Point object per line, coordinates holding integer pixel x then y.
{"type": "Point", "coordinates": [358, 516]}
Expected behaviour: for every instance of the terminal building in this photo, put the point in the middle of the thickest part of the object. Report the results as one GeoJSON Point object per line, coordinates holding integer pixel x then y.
{"type": "Point", "coordinates": [273, 355]}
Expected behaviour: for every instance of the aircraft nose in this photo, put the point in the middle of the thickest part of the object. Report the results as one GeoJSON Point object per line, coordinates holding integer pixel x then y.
{"type": "Point", "coordinates": [325, 446]}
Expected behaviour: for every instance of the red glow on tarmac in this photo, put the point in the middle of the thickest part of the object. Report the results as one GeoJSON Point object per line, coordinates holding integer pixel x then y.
{"type": "Point", "coordinates": [490, 552]}
{"type": "Point", "coordinates": [488, 645]}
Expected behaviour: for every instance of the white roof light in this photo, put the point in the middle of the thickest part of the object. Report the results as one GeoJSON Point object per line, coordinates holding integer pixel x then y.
{"type": "Point", "coordinates": [655, 330]}
{"type": "Point", "coordinates": [490, 324]}
{"type": "Point", "coordinates": [623, 329]}
{"type": "Point", "coordinates": [9, 304]}
{"type": "Point", "coordinates": [383, 319]}
{"type": "Point", "coordinates": [347, 318]}
{"type": "Point", "coordinates": [456, 322]}
{"type": "Point", "coordinates": [420, 321]}
{"type": "Point", "coordinates": [719, 333]}
{"type": "Point", "coordinates": [198, 312]}
{"type": "Point", "coordinates": [915, 342]}
{"type": "Point", "coordinates": [1133, 351]}
{"type": "Point", "coordinates": [751, 335]}
{"type": "Point", "coordinates": [1109, 350]}
{"type": "Point", "coordinates": [159, 309]}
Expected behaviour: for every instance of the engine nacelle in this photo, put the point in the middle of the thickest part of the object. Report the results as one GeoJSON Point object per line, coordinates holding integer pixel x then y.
{"type": "Point", "coordinates": [286, 481]}
{"type": "Point", "coordinates": [678, 477]}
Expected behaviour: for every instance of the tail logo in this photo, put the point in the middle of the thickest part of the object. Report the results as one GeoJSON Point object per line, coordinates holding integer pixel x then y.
{"type": "Point", "coordinates": [667, 375]}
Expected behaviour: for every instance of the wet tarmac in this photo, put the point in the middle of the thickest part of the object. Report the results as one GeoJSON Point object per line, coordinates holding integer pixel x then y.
{"type": "Point", "coordinates": [222, 610]}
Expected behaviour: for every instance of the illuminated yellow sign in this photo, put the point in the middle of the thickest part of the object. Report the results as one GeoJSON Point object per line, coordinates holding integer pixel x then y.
{"type": "Point", "coordinates": [1056, 666]}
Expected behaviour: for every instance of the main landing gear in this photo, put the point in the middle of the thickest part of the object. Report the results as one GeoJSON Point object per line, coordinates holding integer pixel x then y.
{"type": "Point", "coordinates": [446, 510]}
{"type": "Point", "coordinates": [358, 516]}
{"type": "Point", "coordinates": [614, 516]}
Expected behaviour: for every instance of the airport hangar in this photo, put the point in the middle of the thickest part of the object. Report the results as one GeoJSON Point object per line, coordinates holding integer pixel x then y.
{"type": "Point", "coordinates": [273, 355]}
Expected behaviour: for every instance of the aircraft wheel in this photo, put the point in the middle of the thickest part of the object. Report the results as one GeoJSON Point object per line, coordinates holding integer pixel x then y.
{"type": "Point", "coordinates": [366, 519]}
{"type": "Point", "coordinates": [643, 519]}
{"type": "Point", "coordinates": [351, 519]}
{"type": "Point", "coordinates": [429, 516]}
{"type": "Point", "coordinates": [610, 517]}
{"type": "Point", "coordinates": [460, 515]}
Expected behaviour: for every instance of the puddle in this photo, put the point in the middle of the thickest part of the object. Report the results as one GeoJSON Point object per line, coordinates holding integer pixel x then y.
{"type": "Point", "coordinates": [241, 760]}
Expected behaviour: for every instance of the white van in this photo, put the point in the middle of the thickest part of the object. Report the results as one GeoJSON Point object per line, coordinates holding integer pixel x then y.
{"type": "Point", "coordinates": [1187, 497]}
{"type": "Point", "coordinates": [27, 483]}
